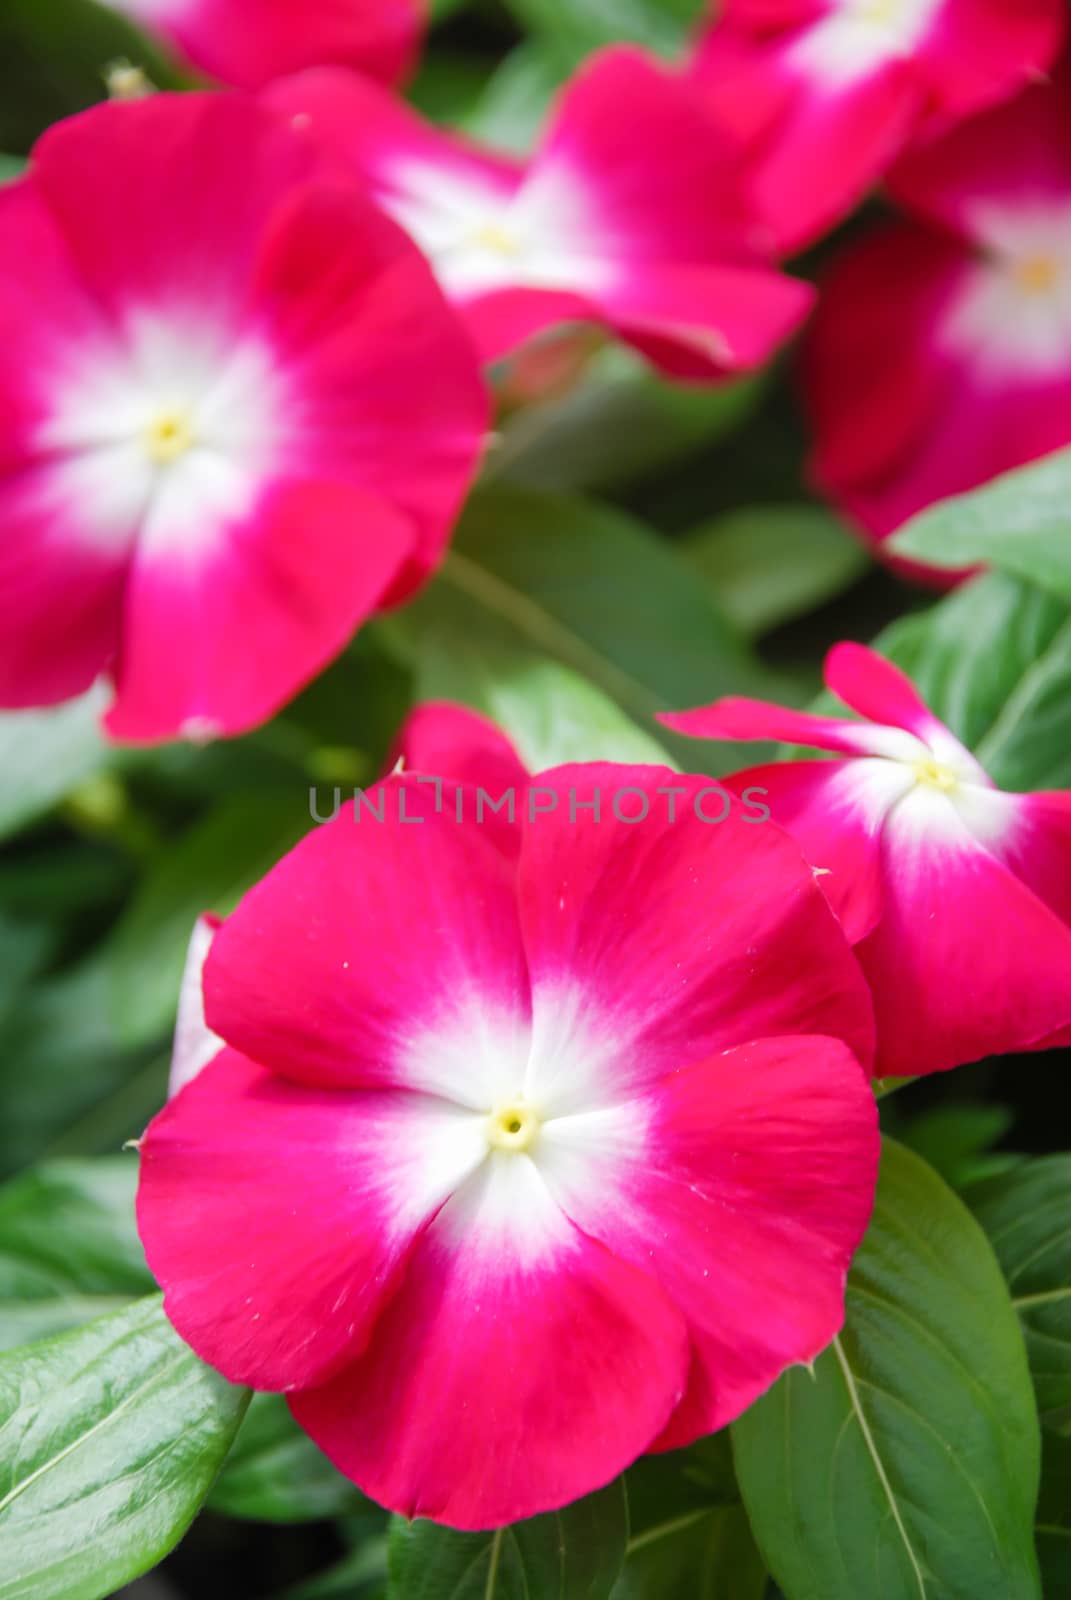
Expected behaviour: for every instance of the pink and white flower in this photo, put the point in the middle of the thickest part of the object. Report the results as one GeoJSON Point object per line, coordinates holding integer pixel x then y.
{"type": "Point", "coordinates": [825, 94]}
{"type": "Point", "coordinates": [529, 1149]}
{"type": "Point", "coordinates": [246, 43]}
{"type": "Point", "coordinates": [219, 451]}
{"type": "Point", "coordinates": [631, 214]}
{"type": "Point", "coordinates": [956, 894]}
{"type": "Point", "coordinates": [965, 370]}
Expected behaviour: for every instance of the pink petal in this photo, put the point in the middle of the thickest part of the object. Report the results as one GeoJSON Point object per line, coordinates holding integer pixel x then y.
{"type": "Point", "coordinates": [246, 49]}
{"type": "Point", "coordinates": [277, 1218]}
{"type": "Point", "coordinates": [979, 52]}
{"type": "Point", "coordinates": [705, 321]}
{"type": "Point", "coordinates": [450, 741]}
{"type": "Point", "coordinates": [519, 1366]}
{"type": "Point", "coordinates": [737, 718]}
{"type": "Point", "coordinates": [360, 341]}
{"type": "Point", "coordinates": [214, 643]}
{"type": "Point", "coordinates": [1037, 848]}
{"type": "Point", "coordinates": [379, 952]}
{"type": "Point", "coordinates": [389, 145]}
{"type": "Point", "coordinates": [834, 810]}
{"type": "Point", "coordinates": [815, 148]}
{"type": "Point", "coordinates": [876, 386]}
{"type": "Point", "coordinates": [195, 1043]}
{"type": "Point", "coordinates": [756, 1178]}
{"type": "Point", "coordinates": [670, 940]}
{"type": "Point", "coordinates": [502, 319]}
{"type": "Point", "coordinates": [163, 201]}
{"type": "Point", "coordinates": [1018, 150]}
{"type": "Point", "coordinates": [62, 593]}
{"type": "Point", "coordinates": [879, 690]}
{"type": "Point", "coordinates": [966, 961]}
{"type": "Point", "coordinates": [645, 170]}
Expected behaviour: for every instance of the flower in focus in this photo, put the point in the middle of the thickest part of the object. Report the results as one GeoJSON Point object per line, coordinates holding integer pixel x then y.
{"type": "Point", "coordinates": [826, 94]}
{"type": "Point", "coordinates": [529, 1148]}
{"type": "Point", "coordinates": [956, 894]}
{"type": "Point", "coordinates": [966, 372]}
{"type": "Point", "coordinates": [631, 213]}
{"type": "Point", "coordinates": [246, 43]}
{"type": "Point", "coordinates": [220, 449]}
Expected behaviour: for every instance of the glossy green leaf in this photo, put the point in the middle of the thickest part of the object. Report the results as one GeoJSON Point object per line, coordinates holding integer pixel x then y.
{"type": "Point", "coordinates": [69, 1246]}
{"type": "Point", "coordinates": [1027, 1215]}
{"type": "Point", "coordinates": [209, 869]}
{"type": "Point", "coordinates": [574, 1554]}
{"type": "Point", "coordinates": [907, 1465]}
{"type": "Point", "coordinates": [768, 564]}
{"type": "Point", "coordinates": [1020, 522]}
{"type": "Point", "coordinates": [275, 1473]}
{"type": "Point", "coordinates": [46, 754]}
{"type": "Point", "coordinates": [994, 662]}
{"type": "Point", "coordinates": [109, 1440]}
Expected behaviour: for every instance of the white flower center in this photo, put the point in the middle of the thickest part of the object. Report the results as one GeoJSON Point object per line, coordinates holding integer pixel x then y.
{"type": "Point", "coordinates": [164, 433]}
{"type": "Point", "coordinates": [858, 37]}
{"type": "Point", "coordinates": [1012, 315]}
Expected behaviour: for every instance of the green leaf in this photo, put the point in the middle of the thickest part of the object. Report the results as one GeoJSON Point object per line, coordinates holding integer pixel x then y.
{"type": "Point", "coordinates": [690, 1537]}
{"type": "Point", "coordinates": [11, 167]}
{"type": "Point", "coordinates": [994, 662]}
{"type": "Point", "coordinates": [957, 1140]}
{"type": "Point", "coordinates": [575, 30]}
{"type": "Point", "coordinates": [1020, 522]}
{"type": "Point", "coordinates": [209, 869]}
{"type": "Point", "coordinates": [574, 1554]}
{"type": "Point", "coordinates": [513, 106]}
{"type": "Point", "coordinates": [573, 443]}
{"type": "Point", "coordinates": [67, 1084]}
{"type": "Point", "coordinates": [109, 1440]}
{"type": "Point", "coordinates": [907, 1465]}
{"type": "Point", "coordinates": [1027, 1215]}
{"type": "Point", "coordinates": [275, 1473]}
{"type": "Point", "coordinates": [54, 57]}
{"type": "Point", "coordinates": [588, 585]}
{"type": "Point", "coordinates": [1054, 1516]}
{"type": "Point", "coordinates": [768, 564]}
{"type": "Point", "coordinates": [69, 1247]}
{"type": "Point", "coordinates": [46, 754]}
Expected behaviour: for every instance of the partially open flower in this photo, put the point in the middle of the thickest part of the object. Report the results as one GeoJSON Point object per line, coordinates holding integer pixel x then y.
{"type": "Point", "coordinates": [246, 43]}
{"type": "Point", "coordinates": [956, 895]}
{"type": "Point", "coordinates": [631, 213]}
{"type": "Point", "coordinates": [220, 448]}
{"type": "Point", "coordinates": [529, 1150]}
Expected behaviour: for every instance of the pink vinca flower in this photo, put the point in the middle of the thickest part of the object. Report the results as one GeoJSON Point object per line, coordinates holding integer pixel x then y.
{"type": "Point", "coordinates": [529, 1149]}
{"type": "Point", "coordinates": [966, 372]}
{"type": "Point", "coordinates": [826, 93]}
{"type": "Point", "coordinates": [630, 214]}
{"type": "Point", "coordinates": [246, 43]}
{"type": "Point", "coordinates": [956, 895]}
{"type": "Point", "coordinates": [220, 449]}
